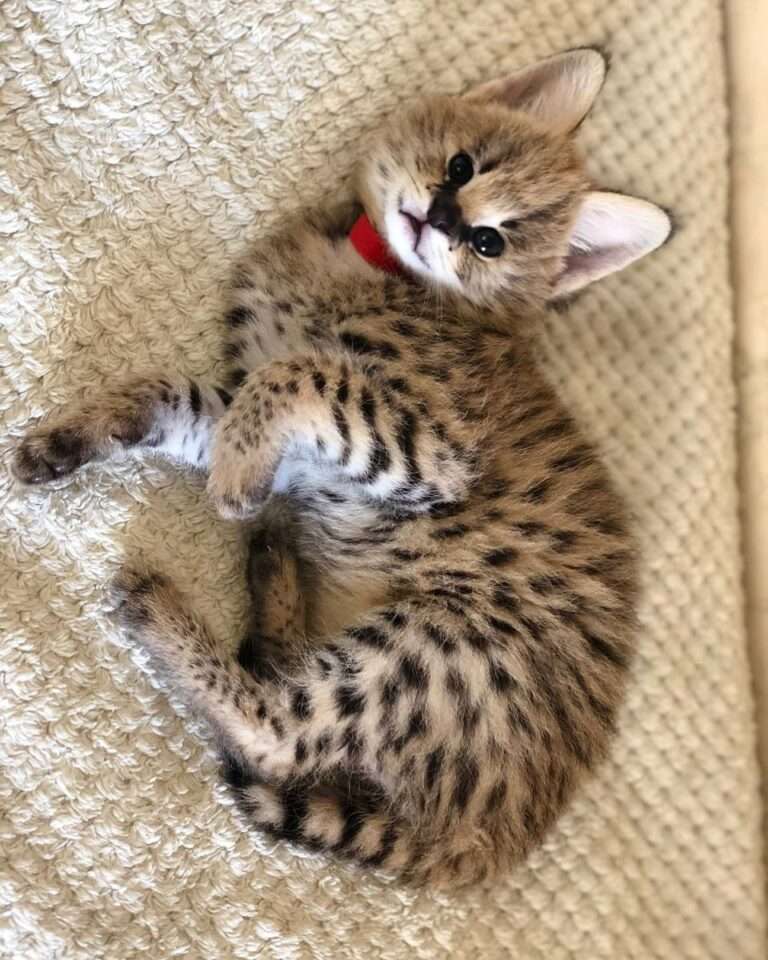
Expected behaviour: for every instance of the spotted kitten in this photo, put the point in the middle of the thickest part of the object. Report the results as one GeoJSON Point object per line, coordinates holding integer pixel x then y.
{"type": "Point", "coordinates": [443, 581]}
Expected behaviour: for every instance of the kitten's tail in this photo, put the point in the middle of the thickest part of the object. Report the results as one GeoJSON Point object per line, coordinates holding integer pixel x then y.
{"type": "Point", "coordinates": [352, 824]}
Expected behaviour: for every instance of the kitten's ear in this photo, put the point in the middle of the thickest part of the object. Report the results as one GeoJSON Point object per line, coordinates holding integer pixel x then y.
{"type": "Point", "coordinates": [610, 231]}
{"type": "Point", "coordinates": [558, 91]}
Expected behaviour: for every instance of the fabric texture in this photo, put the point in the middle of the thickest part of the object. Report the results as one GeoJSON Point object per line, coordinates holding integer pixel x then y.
{"type": "Point", "coordinates": [144, 144]}
{"type": "Point", "coordinates": [748, 70]}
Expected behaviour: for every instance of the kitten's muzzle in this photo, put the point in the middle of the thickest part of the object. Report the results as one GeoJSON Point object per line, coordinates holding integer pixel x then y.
{"type": "Point", "coordinates": [444, 213]}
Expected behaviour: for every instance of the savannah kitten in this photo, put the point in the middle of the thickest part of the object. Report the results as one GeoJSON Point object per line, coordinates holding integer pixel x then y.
{"type": "Point", "coordinates": [442, 577]}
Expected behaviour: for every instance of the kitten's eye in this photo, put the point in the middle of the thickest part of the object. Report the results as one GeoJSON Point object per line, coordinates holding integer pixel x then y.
{"type": "Point", "coordinates": [460, 169]}
{"type": "Point", "coordinates": [487, 241]}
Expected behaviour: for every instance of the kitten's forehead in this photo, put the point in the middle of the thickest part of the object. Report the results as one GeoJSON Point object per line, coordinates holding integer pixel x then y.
{"type": "Point", "coordinates": [512, 154]}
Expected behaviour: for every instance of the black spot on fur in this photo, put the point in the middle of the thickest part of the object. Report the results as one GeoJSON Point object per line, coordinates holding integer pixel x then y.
{"type": "Point", "coordinates": [502, 597]}
{"type": "Point", "coordinates": [234, 772]}
{"type": "Point", "coordinates": [226, 398]}
{"type": "Point", "coordinates": [503, 626]}
{"type": "Point", "coordinates": [456, 684]}
{"type": "Point", "coordinates": [360, 344]}
{"type": "Point", "coordinates": [529, 528]}
{"type": "Point", "coordinates": [501, 681]}
{"type": "Point", "coordinates": [239, 316]}
{"type": "Point", "coordinates": [277, 725]}
{"type": "Point", "coordinates": [343, 427]}
{"type": "Point", "coordinates": [368, 406]}
{"type": "Point", "coordinates": [396, 617]}
{"type": "Point", "coordinates": [352, 741]}
{"type": "Point", "coordinates": [466, 781]}
{"type": "Point", "coordinates": [500, 557]}
{"type": "Point", "coordinates": [433, 767]}
{"type": "Point", "coordinates": [407, 556]}
{"type": "Point", "coordinates": [413, 672]}
{"type": "Point", "coordinates": [440, 638]}
{"type": "Point", "coordinates": [536, 630]}
{"type": "Point", "coordinates": [195, 400]}
{"type": "Point", "coordinates": [319, 382]}
{"type": "Point", "coordinates": [546, 584]}
{"type": "Point", "coordinates": [578, 457]}
{"type": "Point", "coordinates": [417, 725]}
{"type": "Point", "coordinates": [301, 704]}
{"type": "Point", "coordinates": [295, 805]}
{"type": "Point", "coordinates": [301, 750]}
{"type": "Point", "coordinates": [390, 693]}
{"type": "Point", "coordinates": [405, 438]}
{"type": "Point", "coordinates": [496, 796]}
{"type": "Point", "coordinates": [477, 640]}
{"type": "Point", "coordinates": [342, 391]}
{"type": "Point", "coordinates": [349, 700]}
{"type": "Point", "coordinates": [604, 650]}
{"type": "Point", "coordinates": [398, 384]}
{"type": "Point", "coordinates": [496, 489]}
{"type": "Point", "coordinates": [458, 574]}
{"type": "Point", "coordinates": [564, 540]}
{"type": "Point", "coordinates": [537, 492]}
{"type": "Point", "coordinates": [370, 636]}
{"type": "Point", "coordinates": [450, 533]}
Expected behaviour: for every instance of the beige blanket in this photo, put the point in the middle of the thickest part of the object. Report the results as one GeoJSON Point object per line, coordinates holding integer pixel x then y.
{"type": "Point", "coordinates": [144, 142]}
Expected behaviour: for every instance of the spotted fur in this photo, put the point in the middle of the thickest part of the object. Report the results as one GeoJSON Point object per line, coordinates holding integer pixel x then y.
{"type": "Point", "coordinates": [443, 581]}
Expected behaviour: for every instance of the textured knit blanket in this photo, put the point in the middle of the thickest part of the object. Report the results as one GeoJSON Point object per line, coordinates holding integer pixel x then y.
{"type": "Point", "coordinates": [144, 143]}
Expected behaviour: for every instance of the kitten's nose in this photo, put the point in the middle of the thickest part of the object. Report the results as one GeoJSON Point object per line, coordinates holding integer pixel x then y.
{"type": "Point", "coordinates": [444, 213]}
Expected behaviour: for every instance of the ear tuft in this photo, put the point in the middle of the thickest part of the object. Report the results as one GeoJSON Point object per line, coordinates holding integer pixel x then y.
{"type": "Point", "coordinates": [558, 91]}
{"type": "Point", "coordinates": [611, 231]}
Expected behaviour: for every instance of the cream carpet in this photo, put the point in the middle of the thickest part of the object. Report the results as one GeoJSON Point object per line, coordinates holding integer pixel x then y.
{"type": "Point", "coordinates": [144, 142]}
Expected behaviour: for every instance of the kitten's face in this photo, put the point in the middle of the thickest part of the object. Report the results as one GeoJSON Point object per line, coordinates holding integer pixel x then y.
{"type": "Point", "coordinates": [475, 198]}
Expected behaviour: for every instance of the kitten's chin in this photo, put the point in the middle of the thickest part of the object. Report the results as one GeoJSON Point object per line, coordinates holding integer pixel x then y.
{"type": "Point", "coordinates": [414, 244]}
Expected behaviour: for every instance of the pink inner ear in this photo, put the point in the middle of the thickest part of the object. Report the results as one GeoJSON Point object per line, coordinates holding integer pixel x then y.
{"type": "Point", "coordinates": [610, 232]}
{"type": "Point", "coordinates": [594, 264]}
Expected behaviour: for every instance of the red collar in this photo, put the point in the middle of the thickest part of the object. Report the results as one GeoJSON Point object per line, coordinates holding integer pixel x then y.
{"type": "Point", "coordinates": [371, 246]}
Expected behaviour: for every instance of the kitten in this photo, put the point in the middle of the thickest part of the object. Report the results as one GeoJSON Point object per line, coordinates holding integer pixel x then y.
{"type": "Point", "coordinates": [443, 580]}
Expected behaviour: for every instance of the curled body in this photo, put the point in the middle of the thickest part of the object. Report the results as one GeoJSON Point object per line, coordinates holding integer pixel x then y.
{"type": "Point", "coordinates": [443, 580]}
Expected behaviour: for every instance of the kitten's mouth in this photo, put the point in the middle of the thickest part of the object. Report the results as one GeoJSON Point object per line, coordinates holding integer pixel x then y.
{"type": "Point", "coordinates": [416, 226]}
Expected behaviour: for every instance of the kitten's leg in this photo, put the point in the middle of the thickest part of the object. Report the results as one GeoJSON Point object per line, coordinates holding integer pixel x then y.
{"type": "Point", "coordinates": [363, 705]}
{"type": "Point", "coordinates": [174, 419]}
{"type": "Point", "coordinates": [322, 407]}
{"type": "Point", "coordinates": [318, 717]}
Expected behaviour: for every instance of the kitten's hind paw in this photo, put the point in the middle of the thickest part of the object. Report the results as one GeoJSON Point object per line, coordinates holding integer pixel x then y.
{"type": "Point", "coordinates": [133, 593]}
{"type": "Point", "coordinates": [147, 605]}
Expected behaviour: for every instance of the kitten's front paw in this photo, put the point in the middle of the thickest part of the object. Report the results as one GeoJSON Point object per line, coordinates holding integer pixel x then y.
{"type": "Point", "coordinates": [239, 483]}
{"type": "Point", "coordinates": [55, 449]}
{"type": "Point", "coordinates": [45, 454]}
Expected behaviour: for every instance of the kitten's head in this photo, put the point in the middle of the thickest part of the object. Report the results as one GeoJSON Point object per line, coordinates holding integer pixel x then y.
{"type": "Point", "coordinates": [486, 194]}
